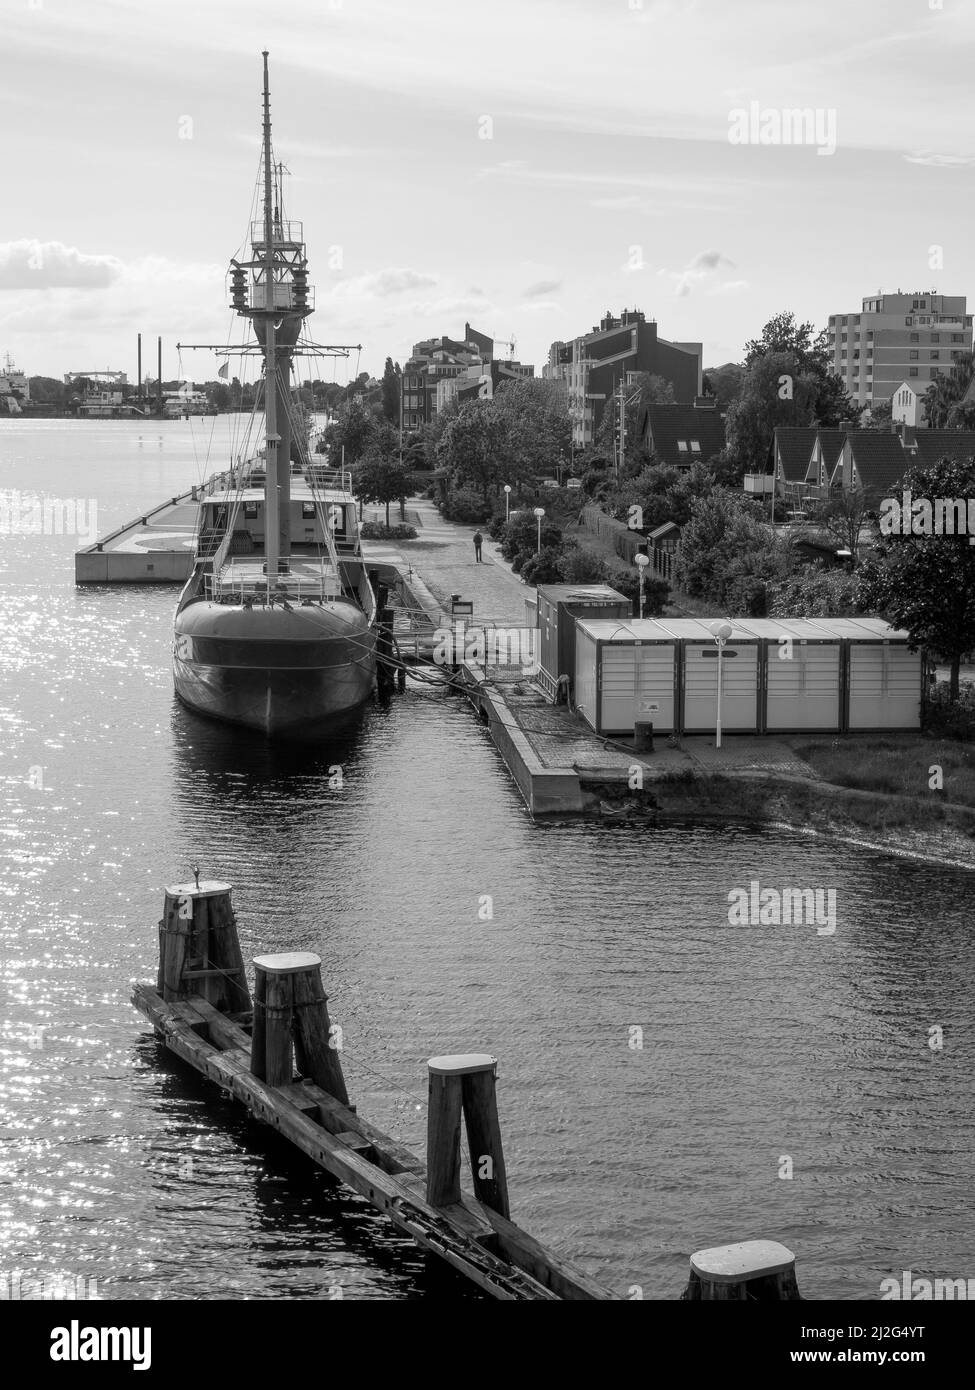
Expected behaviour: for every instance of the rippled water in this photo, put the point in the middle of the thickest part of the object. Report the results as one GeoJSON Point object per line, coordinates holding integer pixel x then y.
{"type": "Point", "coordinates": [757, 1043]}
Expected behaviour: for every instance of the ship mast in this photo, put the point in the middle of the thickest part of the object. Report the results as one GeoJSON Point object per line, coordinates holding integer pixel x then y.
{"type": "Point", "coordinates": [271, 499]}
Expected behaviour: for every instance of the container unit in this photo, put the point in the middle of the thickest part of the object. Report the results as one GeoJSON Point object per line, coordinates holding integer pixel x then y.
{"type": "Point", "coordinates": [559, 607]}
{"type": "Point", "coordinates": [626, 673]}
{"type": "Point", "coordinates": [883, 677]}
{"type": "Point", "coordinates": [802, 675]}
{"type": "Point", "coordinates": [698, 686]}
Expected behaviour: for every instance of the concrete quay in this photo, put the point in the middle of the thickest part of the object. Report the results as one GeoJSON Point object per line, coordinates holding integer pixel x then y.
{"type": "Point", "coordinates": [559, 765]}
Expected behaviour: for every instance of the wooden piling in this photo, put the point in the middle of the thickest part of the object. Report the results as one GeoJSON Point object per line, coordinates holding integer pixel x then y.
{"type": "Point", "coordinates": [291, 1009]}
{"type": "Point", "coordinates": [315, 1051]}
{"type": "Point", "coordinates": [754, 1271]}
{"type": "Point", "coordinates": [199, 951]}
{"type": "Point", "coordinates": [464, 1084]}
{"type": "Point", "coordinates": [480, 1104]}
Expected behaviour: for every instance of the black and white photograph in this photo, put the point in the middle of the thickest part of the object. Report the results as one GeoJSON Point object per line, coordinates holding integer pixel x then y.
{"type": "Point", "coordinates": [487, 674]}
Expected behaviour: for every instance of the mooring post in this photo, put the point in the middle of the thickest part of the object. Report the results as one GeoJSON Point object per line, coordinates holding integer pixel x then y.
{"type": "Point", "coordinates": [760, 1271]}
{"type": "Point", "coordinates": [199, 951]}
{"type": "Point", "coordinates": [464, 1084]}
{"type": "Point", "coordinates": [290, 1009]}
{"type": "Point", "coordinates": [316, 1051]}
{"type": "Point", "coordinates": [271, 1048]}
{"type": "Point", "coordinates": [480, 1102]}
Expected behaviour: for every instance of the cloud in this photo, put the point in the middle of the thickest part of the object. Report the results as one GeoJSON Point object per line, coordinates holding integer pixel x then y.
{"type": "Point", "coordinates": [703, 266]}
{"type": "Point", "coordinates": [44, 265]}
{"type": "Point", "coordinates": [383, 283]}
{"type": "Point", "coordinates": [709, 260]}
{"type": "Point", "coordinates": [941, 161]}
{"type": "Point", "coordinates": [541, 288]}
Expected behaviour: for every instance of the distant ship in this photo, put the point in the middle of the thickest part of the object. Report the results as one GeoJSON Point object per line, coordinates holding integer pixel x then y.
{"type": "Point", "coordinates": [276, 627]}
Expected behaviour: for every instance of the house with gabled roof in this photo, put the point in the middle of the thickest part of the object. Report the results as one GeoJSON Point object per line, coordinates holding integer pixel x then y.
{"type": "Point", "coordinates": [825, 451]}
{"type": "Point", "coordinates": [872, 460]}
{"type": "Point", "coordinates": [681, 435]}
{"type": "Point", "coordinates": [934, 445]}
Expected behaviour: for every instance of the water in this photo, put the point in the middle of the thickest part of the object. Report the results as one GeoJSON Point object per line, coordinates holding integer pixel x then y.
{"type": "Point", "coordinates": [757, 1043]}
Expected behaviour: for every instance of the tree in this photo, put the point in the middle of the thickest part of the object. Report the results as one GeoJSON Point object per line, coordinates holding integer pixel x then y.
{"type": "Point", "coordinates": [880, 416]}
{"type": "Point", "coordinates": [47, 390]}
{"type": "Point", "coordinates": [354, 428]}
{"type": "Point", "coordinates": [783, 335]}
{"type": "Point", "coordinates": [926, 583]}
{"type": "Point", "coordinates": [218, 395]}
{"type": "Point", "coordinates": [380, 477]}
{"type": "Point", "coordinates": [724, 384]}
{"type": "Point", "coordinates": [472, 448]}
{"type": "Point", "coordinates": [843, 517]}
{"type": "Point", "coordinates": [391, 392]}
{"type": "Point", "coordinates": [724, 544]}
{"type": "Point", "coordinates": [942, 400]}
{"type": "Point", "coordinates": [536, 427]}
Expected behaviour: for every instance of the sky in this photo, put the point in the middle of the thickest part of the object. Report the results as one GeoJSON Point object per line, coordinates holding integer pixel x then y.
{"type": "Point", "coordinates": [524, 166]}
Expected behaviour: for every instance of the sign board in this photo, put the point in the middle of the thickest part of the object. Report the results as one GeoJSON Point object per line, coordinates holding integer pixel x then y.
{"type": "Point", "coordinates": [462, 608]}
{"type": "Point", "coordinates": [650, 707]}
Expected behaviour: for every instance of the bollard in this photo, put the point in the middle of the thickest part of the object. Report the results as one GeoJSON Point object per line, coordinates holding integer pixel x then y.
{"type": "Point", "coordinates": [642, 737]}
{"type": "Point", "coordinates": [291, 1023]}
{"type": "Point", "coordinates": [199, 953]}
{"type": "Point", "coordinates": [754, 1271]}
{"type": "Point", "coordinates": [464, 1084]}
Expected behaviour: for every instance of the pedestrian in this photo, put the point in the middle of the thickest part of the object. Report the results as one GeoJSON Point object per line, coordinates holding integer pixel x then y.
{"type": "Point", "coordinates": [478, 542]}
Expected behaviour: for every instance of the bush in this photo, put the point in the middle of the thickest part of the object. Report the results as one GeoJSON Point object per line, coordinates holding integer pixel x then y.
{"type": "Point", "coordinates": [814, 593]}
{"type": "Point", "coordinates": [521, 534]}
{"type": "Point", "coordinates": [627, 582]}
{"type": "Point", "coordinates": [947, 718]}
{"type": "Point", "coordinates": [543, 568]}
{"type": "Point", "coordinates": [466, 506]}
{"type": "Point", "coordinates": [581, 566]}
{"type": "Point", "coordinates": [379, 531]}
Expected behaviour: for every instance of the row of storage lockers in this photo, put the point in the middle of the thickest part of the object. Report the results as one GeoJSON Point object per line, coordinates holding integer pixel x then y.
{"type": "Point", "coordinates": [824, 674]}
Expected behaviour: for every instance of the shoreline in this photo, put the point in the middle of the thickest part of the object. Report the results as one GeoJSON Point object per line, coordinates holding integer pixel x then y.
{"type": "Point", "coordinates": [799, 806]}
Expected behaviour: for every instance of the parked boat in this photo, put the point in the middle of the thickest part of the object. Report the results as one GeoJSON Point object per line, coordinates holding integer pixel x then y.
{"type": "Point", "coordinates": [276, 627]}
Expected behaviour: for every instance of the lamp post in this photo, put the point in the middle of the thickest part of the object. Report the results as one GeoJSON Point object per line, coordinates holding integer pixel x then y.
{"type": "Point", "coordinates": [539, 513]}
{"type": "Point", "coordinates": [641, 561]}
{"type": "Point", "coordinates": [721, 631]}
{"type": "Point", "coordinates": [507, 502]}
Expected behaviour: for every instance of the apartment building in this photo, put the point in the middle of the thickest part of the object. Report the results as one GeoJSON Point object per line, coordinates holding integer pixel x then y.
{"type": "Point", "coordinates": [897, 339]}
{"type": "Point", "coordinates": [592, 366]}
{"type": "Point", "coordinates": [433, 363]}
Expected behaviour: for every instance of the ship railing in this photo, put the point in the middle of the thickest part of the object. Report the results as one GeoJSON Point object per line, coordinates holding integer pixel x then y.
{"type": "Point", "coordinates": [322, 475]}
{"type": "Point", "coordinates": [256, 588]}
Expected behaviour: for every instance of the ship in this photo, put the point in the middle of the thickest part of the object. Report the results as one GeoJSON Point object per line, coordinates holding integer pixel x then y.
{"type": "Point", "coordinates": [276, 629]}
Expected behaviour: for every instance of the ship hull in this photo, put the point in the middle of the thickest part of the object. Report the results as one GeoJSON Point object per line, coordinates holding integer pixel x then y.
{"type": "Point", "coordinates": [304, 691]}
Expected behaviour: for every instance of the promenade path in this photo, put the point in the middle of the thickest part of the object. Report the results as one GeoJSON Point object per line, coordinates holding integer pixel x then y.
{"type": "Point", "coordinates": [443, 557]}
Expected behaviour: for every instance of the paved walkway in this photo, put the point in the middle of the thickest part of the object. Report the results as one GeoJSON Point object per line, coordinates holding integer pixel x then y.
{"type": "Point", "coordinates": [443, 557]}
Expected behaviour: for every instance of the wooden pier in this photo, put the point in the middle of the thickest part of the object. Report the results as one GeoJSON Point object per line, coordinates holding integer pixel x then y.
{"type": "Point", "coordinates": [201, 1009]}
{"type": "Point", "coordinates": [277, 1056]}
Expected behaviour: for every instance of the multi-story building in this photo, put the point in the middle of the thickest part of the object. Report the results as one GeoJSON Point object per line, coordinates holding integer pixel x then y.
{"type": "Point", "coordinates": [593, 365]}
{"type": "Point", "coordinates": [433, 363]}
{"type": "Point", "coordinates": [898, 338]}
{"type": "Point", "coordinates": [480, 381]}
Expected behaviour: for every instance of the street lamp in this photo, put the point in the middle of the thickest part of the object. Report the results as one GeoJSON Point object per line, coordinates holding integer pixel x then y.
{"type": "Point", "coordinates": [641, 561]}
{"type": "Point", "coordinates": [507, 501]}
{"type": "Point", "coordinates": [720, 631]}
{"type": "Point", "coordinates": [539, 513]}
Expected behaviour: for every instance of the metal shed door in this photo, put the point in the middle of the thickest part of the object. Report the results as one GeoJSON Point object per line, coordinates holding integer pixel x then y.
{"type": "Point", "coordinates": [885, 687]}
{"type": "Point", "coordinates": [739, 688]}
{"type": "Point", "coordinates": [803, 691]}
{"type": "Point", "coordinates": [635, 679]}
